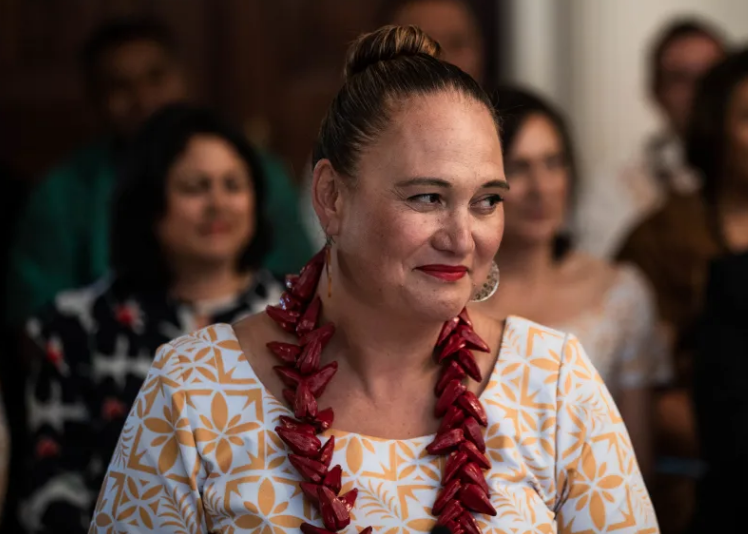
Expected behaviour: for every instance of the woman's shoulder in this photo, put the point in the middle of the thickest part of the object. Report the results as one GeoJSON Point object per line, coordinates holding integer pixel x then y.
{"type": "Point", "coordinates": [209, 355]}
{"type": "Point", "coordinates": [580, 267]}
{"type": "Point", "coordinates": [586, 283]}
{"type": "Point", "coordinates": [71, 309]}
{"type": "Point", "coordinates": [537, 364]}
{"type": "Point", "coordinates": [545, 360]}
{"type": "Point", "coordinates": [631, 282]}
{"type": "Point", "coordinates": [216, 352]}
{"type": "Point", "coordinates": [527, 340]}
{"type": "Point", "coordinates": [513, 330]}
{"type": "Point", "coordinates": [215, 337]}
{"type": "Point", "coordinates": [610, 278]}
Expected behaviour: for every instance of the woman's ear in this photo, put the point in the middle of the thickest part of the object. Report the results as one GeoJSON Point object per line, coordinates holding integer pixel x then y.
{"type": "Point", "coordinates": [326, 197]}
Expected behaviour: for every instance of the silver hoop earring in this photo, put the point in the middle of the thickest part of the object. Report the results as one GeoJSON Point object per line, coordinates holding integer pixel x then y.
{"type": "Point", "coordinates": [486, 290]}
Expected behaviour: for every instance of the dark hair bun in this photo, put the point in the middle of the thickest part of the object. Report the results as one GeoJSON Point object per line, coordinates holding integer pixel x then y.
{"type": "Point", "coordinates": [386, 44]}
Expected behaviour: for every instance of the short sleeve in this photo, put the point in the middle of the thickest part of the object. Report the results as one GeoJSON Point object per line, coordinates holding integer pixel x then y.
{"type": "Point", "coordinates": [599, 485]}
{"type": "Point", "coordinates": [153, 480]}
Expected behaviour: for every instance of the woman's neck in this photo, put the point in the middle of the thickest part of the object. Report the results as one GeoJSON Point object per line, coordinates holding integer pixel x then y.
{"type": "Point", "coordinates": [383, 351]}
{"type": "Point", "coordinates": [207, 282]}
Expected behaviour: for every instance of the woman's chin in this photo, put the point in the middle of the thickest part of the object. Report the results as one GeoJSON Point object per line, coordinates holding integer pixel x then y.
{"type": "Point", "coordinates": [208, 262]}
{"type": "Point", "coordinates": [440, 306]}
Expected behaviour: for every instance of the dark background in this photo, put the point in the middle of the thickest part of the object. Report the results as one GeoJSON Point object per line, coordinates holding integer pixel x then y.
{"type": "Point", "coordinates": [272, 65]}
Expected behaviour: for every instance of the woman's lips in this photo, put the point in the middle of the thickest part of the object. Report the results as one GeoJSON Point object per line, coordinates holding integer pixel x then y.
{"type": "Point", "coordinates": [449, 273]}
{"type": "Point", "coordinates": [215, 227]}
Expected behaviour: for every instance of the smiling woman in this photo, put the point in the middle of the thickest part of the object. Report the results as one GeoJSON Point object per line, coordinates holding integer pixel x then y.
{"type": "Point", "coordinates": [187, 240]}
{"type": "Point", "coordinates": [408, 179]}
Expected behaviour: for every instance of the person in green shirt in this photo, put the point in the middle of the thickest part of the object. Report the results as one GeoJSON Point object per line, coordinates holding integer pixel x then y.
{"type": "Point", "coordinates": [132, 68]}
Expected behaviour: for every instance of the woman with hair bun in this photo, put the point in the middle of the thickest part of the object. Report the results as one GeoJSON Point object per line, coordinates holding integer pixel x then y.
{"type": "Point", "coordinates": [369, 398]}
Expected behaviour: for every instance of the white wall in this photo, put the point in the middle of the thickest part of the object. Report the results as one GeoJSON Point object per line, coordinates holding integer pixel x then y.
{"type": "Point", "coordinates": [589, 56]}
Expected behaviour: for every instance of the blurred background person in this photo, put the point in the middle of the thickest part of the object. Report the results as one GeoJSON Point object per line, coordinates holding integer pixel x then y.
{"type": "Point", "coordinates": [609, 207]}
{"type": "Point", "coordinates": [674, 247]}
{"type": "Point", "coordinates": [188, 241]}
{"type": "Point", "coordinates": [132, 67]}
{"type": "Point", "coordinates": [452, 23]}
{"type": "Point", "coordinates": [720, 386]}
{"type": "Point", "coordinates": [60, 238]}
{"type": "Point", "coordinates": [543, 277]}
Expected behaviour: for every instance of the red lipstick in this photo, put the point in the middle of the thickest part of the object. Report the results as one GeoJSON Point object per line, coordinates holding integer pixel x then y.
{"type": "Point", "coordinates": [449, 273]}
{"type": "Point", "coordinates": [215, 227]}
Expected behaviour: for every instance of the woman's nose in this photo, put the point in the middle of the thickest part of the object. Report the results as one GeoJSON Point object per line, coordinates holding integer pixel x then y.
{"type": "Point", "coordinates": [455, 236]}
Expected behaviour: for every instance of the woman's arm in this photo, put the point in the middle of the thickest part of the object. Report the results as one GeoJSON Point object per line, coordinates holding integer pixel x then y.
{"type": "Point", "coordinates": [152, 483]}
{"type": "Point", "coordinates": [599, 486]}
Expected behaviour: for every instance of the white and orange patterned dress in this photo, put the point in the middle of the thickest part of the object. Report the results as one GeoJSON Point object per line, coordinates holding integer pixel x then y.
{"type": "Point", "coordinates": [198, 453]}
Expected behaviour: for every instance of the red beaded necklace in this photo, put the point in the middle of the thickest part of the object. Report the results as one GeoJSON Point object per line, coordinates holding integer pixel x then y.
{"type": "Point", "coordinates": [459, 435]}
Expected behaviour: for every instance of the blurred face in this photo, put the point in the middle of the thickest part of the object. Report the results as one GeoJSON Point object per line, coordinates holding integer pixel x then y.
{"type": "Point", "coordinates": [210, 203]}
{"type": "Point", "coordinates": [135, 79]}
{"type": "Point", "coordinates": [419, 228]}
{"type": "Point", "coordinates": [538, 173]}
{"type": "Point", "coordinates": [683, 64]}
{"type": "Point", "coordinates": [737, 134]}
{"type": "Point", "coordinates": [452, 25]}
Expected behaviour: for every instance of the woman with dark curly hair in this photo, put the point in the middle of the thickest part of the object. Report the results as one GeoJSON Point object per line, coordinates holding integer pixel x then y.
{"type": "Point", "coordinates": [187, 240]}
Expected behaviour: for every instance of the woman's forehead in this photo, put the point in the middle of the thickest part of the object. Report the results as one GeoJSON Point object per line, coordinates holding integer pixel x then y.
{"type": "Point", "coordinates": [434, 133]}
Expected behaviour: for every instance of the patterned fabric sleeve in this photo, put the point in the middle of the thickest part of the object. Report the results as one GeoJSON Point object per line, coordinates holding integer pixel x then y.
{"type": "Point", "coordinates": [599, 486]}
{"type": "Point", "coordinates": [62, 441]}
{"type": "Point", "coordinates": [643, 358]}
{"type": "Point", "coordinates": [153, 481]}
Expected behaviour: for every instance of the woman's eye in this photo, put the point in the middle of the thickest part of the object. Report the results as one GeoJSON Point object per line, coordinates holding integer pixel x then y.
{"type": "Point", "coordinates": [192, 188]}
{"type": "Point", "coordinates": [235, 184]}
{"type": "Point", "coordinates": [555, 162]}
{"type": "Point", "coordinates": [489, 203]}
{"type": "Point", "coordinates": [426, 198]}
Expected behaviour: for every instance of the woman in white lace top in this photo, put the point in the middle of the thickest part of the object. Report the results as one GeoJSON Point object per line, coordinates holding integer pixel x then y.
{"type": "Point", "coordinates": [609, 307]}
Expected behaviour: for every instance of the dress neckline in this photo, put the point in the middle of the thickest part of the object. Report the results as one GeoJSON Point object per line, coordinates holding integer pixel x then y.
{"type": "Point", "coordinates": [338, 433]}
